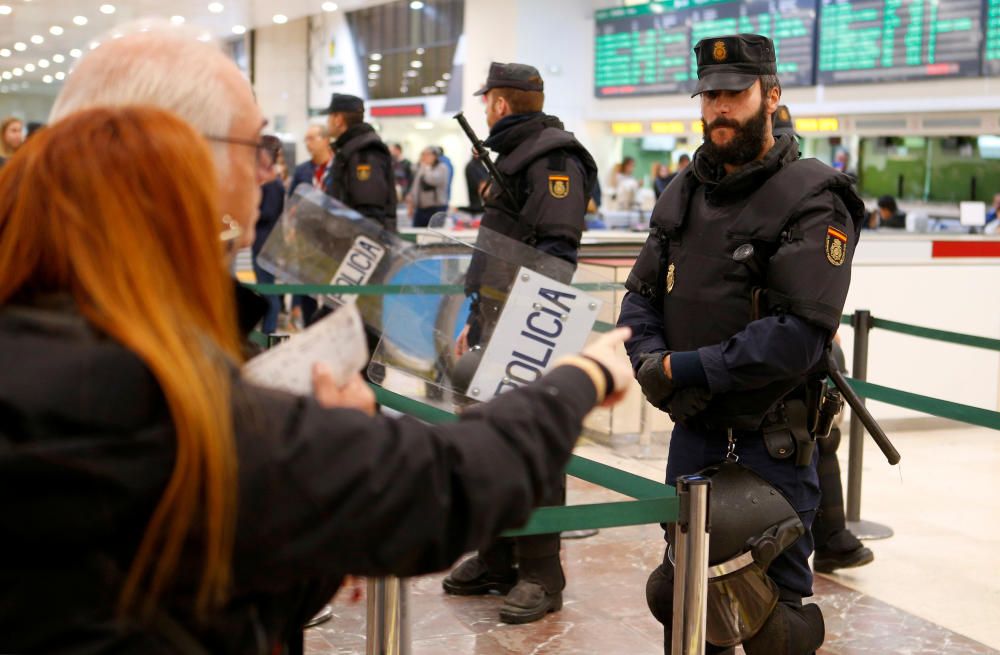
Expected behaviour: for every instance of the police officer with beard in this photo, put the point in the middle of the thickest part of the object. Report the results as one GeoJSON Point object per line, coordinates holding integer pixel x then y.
{"type": "Point", "coordinates": [362, 175]}
{"type": "Point", "coordinates": [551, 176]}
{"type": "Point", "coordinates": [733, 302]}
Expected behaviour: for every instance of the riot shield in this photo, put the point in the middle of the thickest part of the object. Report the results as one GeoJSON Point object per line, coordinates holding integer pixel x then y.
{"type": "Point", "coordinates": [516, 308]}
{"type": "Point", "coordinates": [319, 240]}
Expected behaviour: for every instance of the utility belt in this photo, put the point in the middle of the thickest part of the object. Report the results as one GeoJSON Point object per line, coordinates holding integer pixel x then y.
{"type": "Point", "coordinates": [794, 425]}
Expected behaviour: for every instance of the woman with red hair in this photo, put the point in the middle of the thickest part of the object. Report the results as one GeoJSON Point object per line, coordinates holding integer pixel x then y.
{"type": "Point", "coordinates": [153, 502]}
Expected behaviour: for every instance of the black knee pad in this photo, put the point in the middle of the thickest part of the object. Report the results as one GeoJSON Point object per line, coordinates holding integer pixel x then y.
{"type": "Point", "coordinates": [791, 629]}
{"type": "Point", "coordinates": [660, 594]}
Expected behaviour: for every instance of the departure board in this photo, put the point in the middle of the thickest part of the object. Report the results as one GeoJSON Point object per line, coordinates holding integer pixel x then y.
{"type": "Point", "coordinates": [898, 40]}
{"type": "Point", "coordinates": [991, 56]}
{"type": "Point", "coordinates": [646, 49]}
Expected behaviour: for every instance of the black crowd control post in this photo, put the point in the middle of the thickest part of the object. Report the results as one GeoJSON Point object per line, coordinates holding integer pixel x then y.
{"type": "Point", "coordinates": [972, 188]}
{"type": "Point", "coordinates": [691, 566]}
{"type": "Point", "coordinates": [899, 186]}
{"type": "Point", "coordinates": [862, 323]}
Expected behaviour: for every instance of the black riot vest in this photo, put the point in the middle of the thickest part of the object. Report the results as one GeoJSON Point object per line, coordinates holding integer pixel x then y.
{"type": "Point", "coordinates": [707, 268]}
{"type": "Point", "coordinates": [361, 145]}
{"type": "Point", "coordinates": [502, 213]}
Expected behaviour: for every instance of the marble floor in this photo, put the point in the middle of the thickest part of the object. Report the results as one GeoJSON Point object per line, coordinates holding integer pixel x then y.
{"type": "Point", "coordinates": [934, 587]}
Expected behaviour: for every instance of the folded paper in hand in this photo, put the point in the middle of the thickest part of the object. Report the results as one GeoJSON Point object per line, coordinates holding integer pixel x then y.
{"type": "Point", "coordinates": [337, 340]}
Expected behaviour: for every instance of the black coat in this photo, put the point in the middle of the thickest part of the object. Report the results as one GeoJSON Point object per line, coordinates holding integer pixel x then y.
{"type": "Point", "coordinates": [86, 448]}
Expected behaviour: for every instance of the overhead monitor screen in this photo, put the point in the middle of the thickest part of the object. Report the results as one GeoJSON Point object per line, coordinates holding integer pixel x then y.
{"type": "Point", "coordinates": [646, 49]}
{"type": "Point", "coordinates": [991, 57]}
{"type": "Point", "coordinates": [898, 40]}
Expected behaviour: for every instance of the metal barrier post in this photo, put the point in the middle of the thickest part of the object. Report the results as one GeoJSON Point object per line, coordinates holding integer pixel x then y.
{"type": "Point", "coordinates": [862, 324]}
{"type": "Point", "coordinates": [691, 566]}
{"type": "Point", "coordinates": [388, 626]}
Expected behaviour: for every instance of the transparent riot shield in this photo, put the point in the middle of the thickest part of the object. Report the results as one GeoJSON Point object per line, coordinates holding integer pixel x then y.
{"type": "Point", "coordinates": [510, 312]}
{"type": "Point", "coordinates": [319, 240]}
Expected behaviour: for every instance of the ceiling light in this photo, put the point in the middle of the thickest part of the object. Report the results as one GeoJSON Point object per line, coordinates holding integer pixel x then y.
{"type": "Point", "coordinates": [58, 58]}
{"type": "Point", "coordinates": [20, 47]}
{"type": "Point", "coordinates": [18, 72]}
{"type": "Point", "coordinates": [79, 20]}
{"type": "Point", "coordinates": [93, 45]}
{"type": "Point", "coordinates": [373, 76]}
{"type": "Point", "coordinates": [420, 51]}
{"type": "Point", "coordinates": [216, 7]}
{"type": "Point", "coordinates": [75, 53]}
{"type": "Point", "coordinates": [205, 37]}
{"type": "Point", "coordinates": [239, 29]}
{"type": "Point", "coordinates": [29, 68]}
{"type": "Point", "coordinates": [280, 19]}
{"type": "Point", "coordinates": [5, 53]}
{"type": "Point", "coordinates": [55, 30]}
{"type": "Point", "coordinates": [416, 64]}
{"type": "Point", "coordinates": [374, 68]}
{"type": "Point", "coordinates": [372, 84]}
{"type": "Point", "coordinates": [440, 84]}
{"type": "Point", "coordinates": [107, 9]}
{"type": "Point", "coordinates": [60, 76]}
{"type": "Point", "coordinates": [38, 39]}
{"type": "Point", "coordinates": [329, 6]}
{"type": "Point", "coordinates": [416, 4]}
{"type": "Point", "coordinates": [412, 73]}
{"type": "Point", "coordinates": [177, 20]}
{"type": "Point", "coordinates": [47, 79]}
{"type": "Point", "coordinates": [43, 63]}
{"type": "Point", "coordinates": [5, 10]}
{"type": "Point", "coordinates": [375, 56]}
{"type": "Point", "coordinates": [446, 76]}
{"type": "Point", "coordinates": [7, 75]}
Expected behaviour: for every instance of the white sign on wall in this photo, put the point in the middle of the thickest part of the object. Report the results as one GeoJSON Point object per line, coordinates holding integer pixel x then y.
{"type": "Point", "coordinates": [541, 321]}
{"type": "Point", "coordinates": [333, 60]}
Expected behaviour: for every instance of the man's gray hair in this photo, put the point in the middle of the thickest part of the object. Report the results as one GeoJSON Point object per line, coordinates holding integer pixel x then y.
{"type": "Point", "coordinates": [154, 63]}
{"type": "Point", "coordinates": [324, 129]}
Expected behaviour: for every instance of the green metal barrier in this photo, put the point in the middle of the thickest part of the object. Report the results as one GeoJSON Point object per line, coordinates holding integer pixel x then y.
{"type": "Point", "coordinates": [655, 502]}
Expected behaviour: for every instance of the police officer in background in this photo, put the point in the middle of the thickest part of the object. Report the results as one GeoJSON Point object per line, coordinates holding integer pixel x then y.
{"type": "Point", "coordinates": [362, 176]}
{"type": "Point", "coordinates": [551, 176]}
{"type": "Point", "coordinates": [836, 546]}
{"type": "Point", "coordinates": [733, 302]}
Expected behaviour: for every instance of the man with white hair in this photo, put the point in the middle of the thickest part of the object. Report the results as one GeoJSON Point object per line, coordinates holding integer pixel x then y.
{"type": "Point", "coordinates": [168, 67]}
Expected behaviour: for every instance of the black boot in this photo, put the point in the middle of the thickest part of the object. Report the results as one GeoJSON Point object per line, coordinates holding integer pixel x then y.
{"type": "Point", "coordinates": [489, 571]}
{"type": "Point", "coordinates": [841, 551]}
{"type": "Point", "coordinates": [538, 591]}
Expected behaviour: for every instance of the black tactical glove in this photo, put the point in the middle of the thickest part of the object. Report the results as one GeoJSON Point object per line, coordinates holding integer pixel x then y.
{"type": "Point", "coordinates": [656, 386]}
{"type": "Point", "coordinates": [687, 403]}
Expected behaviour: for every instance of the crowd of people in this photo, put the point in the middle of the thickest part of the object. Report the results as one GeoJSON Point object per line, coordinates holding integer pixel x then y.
{"type": "Point", "coordinates": [178, 508]}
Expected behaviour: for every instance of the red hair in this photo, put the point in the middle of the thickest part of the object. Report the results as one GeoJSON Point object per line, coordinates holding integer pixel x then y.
{"type": "Point", "coordinates": [118, 208]}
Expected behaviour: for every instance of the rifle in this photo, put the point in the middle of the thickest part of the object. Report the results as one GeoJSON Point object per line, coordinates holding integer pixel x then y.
{"type": "Point", "coordinates": [484, 156]}
{"type": "Point", "coordinates": [857, 406]}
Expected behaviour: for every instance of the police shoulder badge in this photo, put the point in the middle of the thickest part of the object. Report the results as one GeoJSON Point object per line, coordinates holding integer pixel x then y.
{"type": "Point", "coordinates": [836, 246]}
{"type": "Point", "coordinates": [719, 51]}
{"type": "Point", "coordinates": [364, 171]}
{"type": "Point", "coordinates": [671, 276]}
{"type": "Point", "coordinates": [559, 186]}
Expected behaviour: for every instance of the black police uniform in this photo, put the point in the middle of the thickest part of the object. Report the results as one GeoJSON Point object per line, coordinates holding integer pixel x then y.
{"type": "Point", "coordinates": [362, 174]}
{"type": "Point", "coordinates": [743, 280]}
{"type": "Point", "coordinates": [551, 176]}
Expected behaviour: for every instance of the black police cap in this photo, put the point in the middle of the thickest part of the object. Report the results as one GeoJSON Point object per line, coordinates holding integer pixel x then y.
{"type": "Point", "coordinates": [344, 103]}
{"type": "Point", "coordinates": [512, 76]}
{"type": "Point", "coordinates": [781, 122]}
{"type": "Point", "coordinates": [733, 62]}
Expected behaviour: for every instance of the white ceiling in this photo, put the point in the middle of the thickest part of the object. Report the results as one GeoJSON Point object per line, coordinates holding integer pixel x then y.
{"type": "Point", "coordinates": [35, 18]}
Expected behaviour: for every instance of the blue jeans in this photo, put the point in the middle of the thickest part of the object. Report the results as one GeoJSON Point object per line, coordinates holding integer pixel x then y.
{"type": "Point", "coordinates": [274, 302]}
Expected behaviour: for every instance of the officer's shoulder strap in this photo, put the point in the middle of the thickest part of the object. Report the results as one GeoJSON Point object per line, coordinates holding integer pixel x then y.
{"type": "Point", "coordinates": [548, 140]}
{"type": "Point", "coordinates": [777, 200]}
{"type": "Point", "coordinates": [672, 207]}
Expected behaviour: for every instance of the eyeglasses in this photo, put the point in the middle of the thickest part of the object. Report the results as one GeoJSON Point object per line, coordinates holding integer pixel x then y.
{"type": "Point", "coordinates": [265, 155]}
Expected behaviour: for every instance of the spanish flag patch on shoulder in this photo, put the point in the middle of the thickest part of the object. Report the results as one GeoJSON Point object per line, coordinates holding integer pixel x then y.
{"type": "Point", "coordinates": [559, 186]}
{"type": "Point", "coordinates": [836, 245]}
